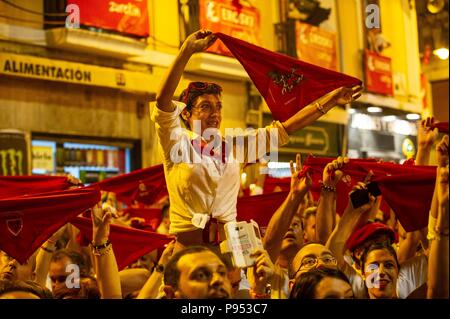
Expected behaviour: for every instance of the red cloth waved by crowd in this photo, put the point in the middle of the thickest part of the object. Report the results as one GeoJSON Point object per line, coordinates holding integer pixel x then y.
{"type": "Point", "coordinates": [129, 244]}
{"type": "Point", "coordinates": [144, 185]}
{"type": "Point", "coordinates": [260, 208]}
{"type": "Point", "coordinates": [407, 189]}
{"type": "Point", "coordinates": [441, 126]}
{"type": "Point", "coordinates": [12, 186]}
{"type": "Point", "coordinates": [152, 216]}
{"type": "Point", "coordinates": [287, 84]}
{"type": "Point", "coordinates": [27, 222]}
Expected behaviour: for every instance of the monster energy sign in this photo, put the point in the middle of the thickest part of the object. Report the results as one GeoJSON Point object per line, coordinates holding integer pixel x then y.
{"type": "Point", "coordinates": [13, 153]}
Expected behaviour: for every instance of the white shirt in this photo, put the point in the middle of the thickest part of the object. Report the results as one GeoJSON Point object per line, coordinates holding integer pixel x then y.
{"type": "Point", "coordinates": [201, 186]}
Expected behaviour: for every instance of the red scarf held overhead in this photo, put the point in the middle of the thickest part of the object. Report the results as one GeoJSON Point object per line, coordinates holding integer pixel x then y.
{"type": "Point", "coordinates": [144, 185]}
{"type": "Point", "coordinates": [407, 189]}
{"type": "Point", "coordinates": [12, 186]}
{"type": "Point", "coordinates": [441, 126]}
{"type": "Point", "coordinates": [152, 216]}
{"type": "Point", "coordinates": [129, 244]}
{"type": "Point", "coordinates": [27, 222]}
{"type": "Point", "coordinates": [287, 84]}
{"type": "Point", "coordinates": [260, 208]}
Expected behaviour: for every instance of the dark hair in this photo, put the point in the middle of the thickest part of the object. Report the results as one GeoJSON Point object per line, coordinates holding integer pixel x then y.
{"type": "Point", "coordinates": [378, 246]}
{"type": "Point", "coordinates": [25, 286]}
{"type": "Point", "coordinates": [196, 89]}
{"type": "Point", "coordinates": [75, 258]}
{"type": "Point", "coordinates": [310, 211]}
{"type": "Point", "coordinates": [305, 285]}
{"type": "Point", "coordinates": [171, 272]}
{"type": "Point", "coordinates": [88, 290]}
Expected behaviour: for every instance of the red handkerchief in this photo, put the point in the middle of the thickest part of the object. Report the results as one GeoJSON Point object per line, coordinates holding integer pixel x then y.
{"type": "Point", "coordinates": [287, 84]}
{"type": "Point", "coordinates": [129, 244]}
{"type": "Point", "coordinates": [441, 126]}
{"type": "Point", "coordinates": [12, 186]}
{"type": "Point", "coordinates": [260, 208]}
{"type": "Point", "coordinates": [27, 222]}
{"type": "Point", "coordinates": [143, 184]}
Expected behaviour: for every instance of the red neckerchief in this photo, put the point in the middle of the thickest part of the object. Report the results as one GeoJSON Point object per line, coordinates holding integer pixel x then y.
{"type": "Point", "coordinates": [441, 126]}
{"type": "Point", "coordinates": [12, 186]}
{"type": "Point", "coordinates": [407, 189]}
{"type": "Point", "coordinates": [287, 84]}
{"type": "Point", "coordinates": [129, 244]}
{"type": "Point", "coordinates": [27, 222]}
{"type": "Point", "coordinates": [200, 144]}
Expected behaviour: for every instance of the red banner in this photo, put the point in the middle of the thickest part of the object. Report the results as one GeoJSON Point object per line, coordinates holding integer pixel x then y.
{"type": "Point", "coordinates": [316, 46]}
{"type": "Point", "coordinates": [378, 73]}
{"type": "Point", "coordinates": [239, 22]}
{"type": "Point", "coordinates": [126, 16]}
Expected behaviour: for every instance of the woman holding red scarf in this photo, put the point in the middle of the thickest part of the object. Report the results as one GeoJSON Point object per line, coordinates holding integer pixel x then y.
{"type": "Point", "coordinates": [204, 189]}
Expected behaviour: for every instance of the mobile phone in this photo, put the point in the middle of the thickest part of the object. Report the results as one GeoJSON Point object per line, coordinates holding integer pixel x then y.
{"type": "Point", "coordinates": [359, 197]}
{"type": "Point", "coordinates": [373, 189]}
{"type": "Point", "coordinates": [242, 239]}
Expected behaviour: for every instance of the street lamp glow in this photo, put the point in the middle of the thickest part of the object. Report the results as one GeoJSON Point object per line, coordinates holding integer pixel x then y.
{"type": "Point", "coordinates": [374, 109]}
{"type": "Point", "coordinates": [441, 53]}
{"type": "Point", "coordinates": [389, 118]}
{"type": "Point", "coordinates": [413, 116]}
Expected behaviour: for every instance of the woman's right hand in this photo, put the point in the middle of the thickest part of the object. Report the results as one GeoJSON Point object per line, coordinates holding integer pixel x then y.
{"type": "Point", "coordinates": [198, 41]}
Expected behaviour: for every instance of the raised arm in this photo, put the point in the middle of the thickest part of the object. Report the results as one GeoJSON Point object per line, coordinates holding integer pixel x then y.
{"type": "Point", "coordinates": [281, 219]}
{"type": "Point", "coordinates": [350, 220]}
{"type": "Point", "coordinates": [438, 261]}
{"type": "Point", "coordinates": [108, 278]}
{"type": "Point", "coordinates": [426, 137]}
{"type": "Point", "coordinates": [196, 42]}
{"type": "Point", "coordinates": [44, 256]}
{"type": "Point", "coordinates": [326, 210]}
{"type": "Point", "coordinates": [310, 113]}
{"type": "Point", "coordinates": [151, 287]}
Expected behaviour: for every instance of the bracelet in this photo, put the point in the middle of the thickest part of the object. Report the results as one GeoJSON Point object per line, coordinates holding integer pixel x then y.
{"type": "Point", "coordinates": [48, 250]}
{"type": "Point", "coordinates": [441, 233]}
{"type": "Point", "coordinates": [101, 246]}
{"type": "Point", "coordinates": [319, 107]}
{"type": "Point", "coordinates": [328, 188]}
{"type": "Point", "coordinates": [265, 295]}
{"type": "Point", "coordinates": [103, 249]}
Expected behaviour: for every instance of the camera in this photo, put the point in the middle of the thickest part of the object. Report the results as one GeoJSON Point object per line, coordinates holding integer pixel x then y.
{"type": "Point", "coordinates": [360, 197]}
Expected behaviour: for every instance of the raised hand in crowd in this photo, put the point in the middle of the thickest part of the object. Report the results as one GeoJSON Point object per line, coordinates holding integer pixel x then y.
{"type": "Point", "coordinates": [438, 272]}
{"type": "Point", "coordinates": [282, 220]}
{"type": "Point", "coordinates": [105, 263]}
{"type": "Point", "coordinates": [44, 256]}
{"type": "Point", "coordinates": [262, 273]}
{"type": "Point", "coordinates": [426, 137]}
{"type": "Point", "coordinates": [326, 210]}
{"type": "Point", "coordinates": [351, 219]}
{"type": "Point", "coordinates": [152, 287]}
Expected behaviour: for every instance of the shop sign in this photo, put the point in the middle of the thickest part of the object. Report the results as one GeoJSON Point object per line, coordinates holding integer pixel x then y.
{"type": "Point", "coordinates": [316, 46]}
{"type": "Point", "coordinates": [319, 138]}
{"type": "Point", "coordinates": [13, 153]}
{"type": "Point", "coordinates": [378, 73]}
{"type": "Point", "coordinates": [43, 158]}
{"type": "Point", "coordinates": [125, 16]}
{"type": "Point", "coordinates": [63, 71]}
{"type": "Point", "coordinates": [223, 16]}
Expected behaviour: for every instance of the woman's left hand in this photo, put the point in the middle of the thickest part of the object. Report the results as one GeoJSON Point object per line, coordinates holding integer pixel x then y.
{"type": "Point", "coordinates": [345, 95]}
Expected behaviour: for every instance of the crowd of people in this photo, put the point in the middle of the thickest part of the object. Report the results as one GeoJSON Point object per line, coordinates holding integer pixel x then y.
{"type": "Point", "coordinates": [310, 250]}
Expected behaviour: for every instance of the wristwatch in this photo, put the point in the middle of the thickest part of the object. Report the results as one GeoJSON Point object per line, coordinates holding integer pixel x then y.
{"type": "Point", "coordinates": [159, 268]}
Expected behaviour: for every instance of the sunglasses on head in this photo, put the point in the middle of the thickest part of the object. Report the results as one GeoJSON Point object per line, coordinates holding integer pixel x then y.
{"type": "Point", "coordinates": [200, 87]}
